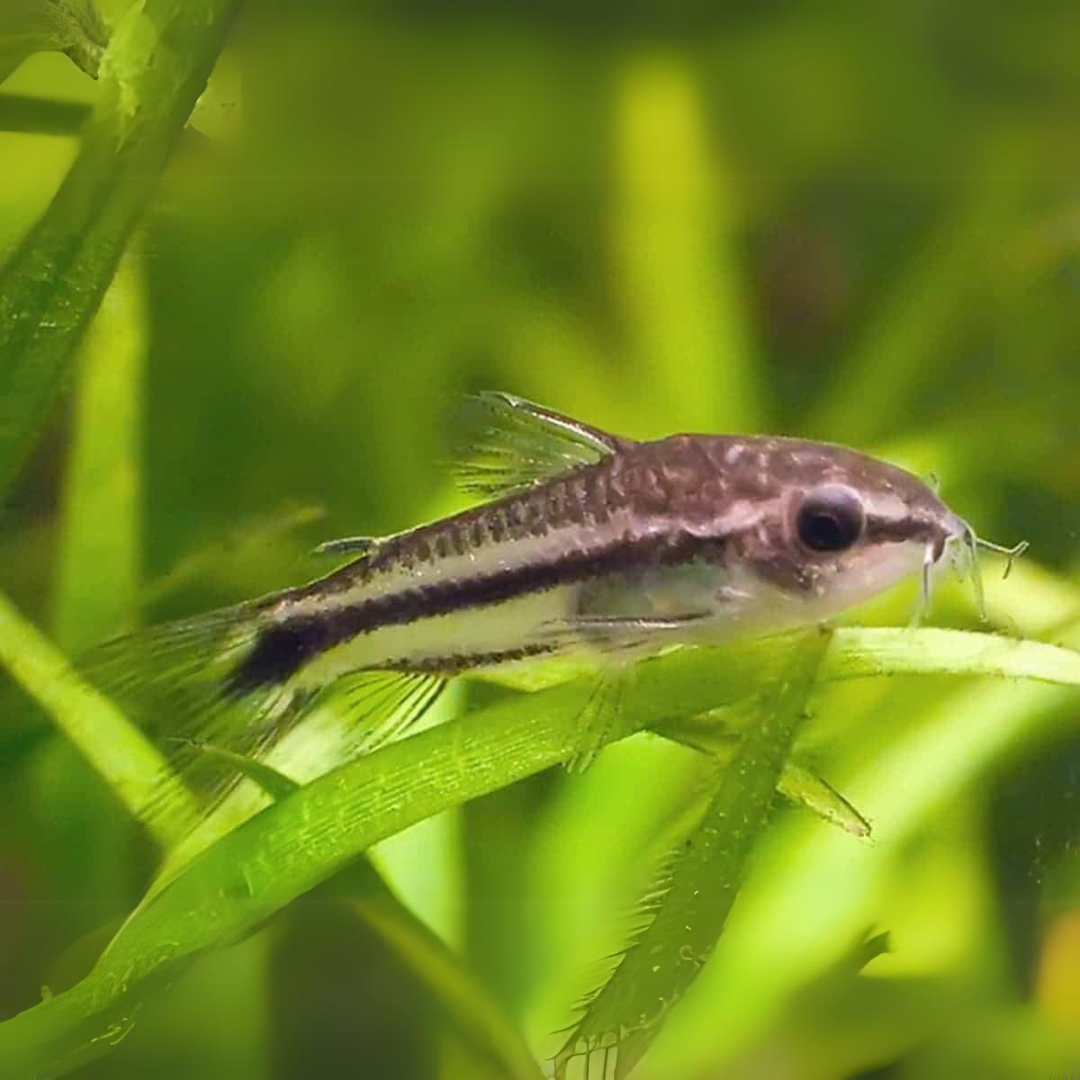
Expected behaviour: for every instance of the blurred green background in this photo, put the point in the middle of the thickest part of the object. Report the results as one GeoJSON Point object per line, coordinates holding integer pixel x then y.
{"type": "Point", "coordinates": [853, 223]}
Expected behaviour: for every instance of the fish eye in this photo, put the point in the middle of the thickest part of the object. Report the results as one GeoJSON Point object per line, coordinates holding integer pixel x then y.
{"type": "Point", "coordinates": [829, 519]}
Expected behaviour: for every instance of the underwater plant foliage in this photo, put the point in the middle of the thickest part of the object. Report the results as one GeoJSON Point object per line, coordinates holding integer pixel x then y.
{"type": "Point", "coordinates": [253, 254]}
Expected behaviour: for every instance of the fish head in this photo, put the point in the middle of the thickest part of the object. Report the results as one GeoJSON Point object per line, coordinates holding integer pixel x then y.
{"type": "Point", "coordinates": [822, 528]}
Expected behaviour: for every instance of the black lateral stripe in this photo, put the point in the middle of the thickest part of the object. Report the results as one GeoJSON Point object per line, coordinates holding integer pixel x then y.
{"type": "Point", "coordinates": [281, 650]}
{"type": "Point", "coordinates": [444, 598]}
{"type": "Point", "coordinates": [459, 662]}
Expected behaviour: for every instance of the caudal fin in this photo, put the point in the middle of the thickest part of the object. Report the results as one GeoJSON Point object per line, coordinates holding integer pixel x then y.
{"type": "Point", "coordinates": [184, 684]}
{"type": "Point", "coordinates": [173, 679]}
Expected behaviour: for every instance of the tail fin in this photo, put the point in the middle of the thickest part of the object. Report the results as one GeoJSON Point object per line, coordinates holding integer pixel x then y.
{"type": "Point", "coordinates": [172, 680]}
{"type": "Point", "coordinates": [182, 682]}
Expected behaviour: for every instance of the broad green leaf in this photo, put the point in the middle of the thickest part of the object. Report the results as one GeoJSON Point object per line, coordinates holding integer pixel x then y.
{"type": "Point", "coordinates": [152, 72]}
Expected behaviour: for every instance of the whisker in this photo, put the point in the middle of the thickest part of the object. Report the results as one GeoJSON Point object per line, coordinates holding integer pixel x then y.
{"type": "Point", "coordinates": [971, 542]}
{"type": "Point", "coordinates": [1011, 553]}
{"type": "Point", "coordinates": [922, 604]}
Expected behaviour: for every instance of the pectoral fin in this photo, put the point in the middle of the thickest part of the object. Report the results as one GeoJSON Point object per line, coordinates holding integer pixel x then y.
{"type": "Point", "coordinates": [348, 545]}
{"type": "Point", "coordinates": [630, 623]}
{"type": "Point", "coordinates": [600, 717]}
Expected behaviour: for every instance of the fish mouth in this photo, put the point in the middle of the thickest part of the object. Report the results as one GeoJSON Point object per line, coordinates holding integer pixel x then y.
{"type": "Point", "coordinates": [949, 535]}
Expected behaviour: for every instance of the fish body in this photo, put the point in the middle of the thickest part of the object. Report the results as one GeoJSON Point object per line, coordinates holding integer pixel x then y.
{"type": "Point", "coordinates": [688, 538]}
{"type": "Point", "coordinates": [587, 543]}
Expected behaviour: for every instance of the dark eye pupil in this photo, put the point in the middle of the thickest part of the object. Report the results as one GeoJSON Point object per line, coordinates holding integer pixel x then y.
{"type": "Point", "coordinates": [829, 521]}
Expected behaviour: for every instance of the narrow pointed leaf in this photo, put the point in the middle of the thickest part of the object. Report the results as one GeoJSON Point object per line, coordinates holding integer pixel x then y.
{"type": "Point", "coordinates": [811, 792]}
{"type": "Point", "coordinates": [660, 964]}
{"type": "Point", "coordinates": [119, 751]}
{"type": "Point", "coordinates": [462, 999]}
{"type": "Point", "coordinates": [152, 72]}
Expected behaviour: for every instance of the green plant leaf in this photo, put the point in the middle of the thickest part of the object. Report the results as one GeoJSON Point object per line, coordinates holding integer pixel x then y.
{"type": "Point", "coordinates": [797, 922]}
{"type": "Point", "coordinates": [99, 533]}
{"type": "Point", "coordinates": [305, 838]}
{"type": "Point", "coordinates": [41, 116]}
{"type": "Point", "coordinates": [290, 847]}
{"type": "Point", "coordinates": [127, 760]}
{"type": "Point", "coordinates": [73, 27]}
{"type": "Point", "coordinates": [98, 569]}
{"type": "Point", "coordinates": [861, 652]}
{"type": "Point", "coordinates": [460, 996]}
{"type": "Point", "coordinates": [700, 884]}
{"type": "Point", "coordinates": [802, 787]}
{"type": "Point", "coordinates": [677, 271]}
{"type": "Point", "coordinates": [798, 784]}
{"type": "Point", "coordinates": [152, 72]}
{"type": "Point", "coordinates": [462, 999]}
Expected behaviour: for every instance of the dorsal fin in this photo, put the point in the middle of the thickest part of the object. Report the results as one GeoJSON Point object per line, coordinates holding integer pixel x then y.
{"type": "Point", "coordinates": [504, 443]}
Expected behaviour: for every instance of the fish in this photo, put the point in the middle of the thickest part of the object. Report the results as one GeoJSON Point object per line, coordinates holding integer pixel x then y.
{"type": "Point", "coordinates": [583, 543]}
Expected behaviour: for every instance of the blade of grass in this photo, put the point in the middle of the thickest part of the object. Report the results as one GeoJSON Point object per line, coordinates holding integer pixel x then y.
{"type": "Point", "coordinates": [798, 784]}
{"type": "Point", "coordinates": [120, 752]}
{"type": "Point", "coordinates": [862, 652]}
{"type": "Point", "coordinates": [662, 961]}
{"type": "Point", "coordinates": [290, 847]}
{"type": "Point", "coordinates": [94, 597]}
{"type": "Point", "coordinates": [584, 848]}
{"type": "Point", "coordinates": [98, 560]}
{"type": "Point", "coordinates": [41, 116]}
{"type": "Point", "coordinates": [153, 71]}
{"type": "Point", "coordinates": [804, 788]}
{"type": "Point", "coordinates": [675, 263]}
{"type": "Point", "coordinates": [796, 922]}
{"type": "Point", "coordinates": [305, 838]}
{"type": "Point", "coordinates": [463, 1000]}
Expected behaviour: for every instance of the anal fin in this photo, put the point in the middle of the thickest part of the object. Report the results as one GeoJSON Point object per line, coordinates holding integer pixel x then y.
{"type": "Point", "coordinates": [378, 706]}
